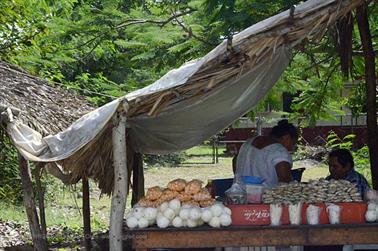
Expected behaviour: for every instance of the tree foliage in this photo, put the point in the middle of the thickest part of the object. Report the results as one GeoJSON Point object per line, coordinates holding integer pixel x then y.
{"type": "Point", "coordinates": [10, 180]}
{"type": "Point", "coordinates": [106, 48]}
{"type": "Point", "coordinates": [112, 47]}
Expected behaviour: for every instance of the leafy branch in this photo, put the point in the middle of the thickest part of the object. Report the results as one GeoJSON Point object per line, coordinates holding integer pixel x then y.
{"type": "Point", "coordinates": [319, 103]}
{"type": "Point", "coordinates": [10, 44]}
{"type": "Point", "coordinates": [191, 34]}
{"type": "Point", "coordinates": [160, 23]}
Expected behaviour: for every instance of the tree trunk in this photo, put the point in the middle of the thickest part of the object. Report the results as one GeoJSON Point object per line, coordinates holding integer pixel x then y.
{"type": "Point", "coordinates": [138, 178]}
{"type": "Point", "coordinates": [39, 240]}
{"type": "Point", "coordinates": [119, 194]}
{"type": "Point", "coordinates": [41, 197]}
{"type": "Point", "coordinates": [86, 214]}
{"type": "Point", "coordinates": [370, 78]}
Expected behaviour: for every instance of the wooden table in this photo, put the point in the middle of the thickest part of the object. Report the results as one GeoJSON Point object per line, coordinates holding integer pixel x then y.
{"type": "Point", "coordinates": [253, 236]}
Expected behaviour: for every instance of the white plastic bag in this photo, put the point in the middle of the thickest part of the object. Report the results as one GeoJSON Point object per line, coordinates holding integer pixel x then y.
{"type": "Point", "coordinates": [275, 214]}
{"type": "Point", "coordinates": [333, 211]}
{"type": "Point", "coordinates": [295, 213]}
{"type": "Point", "coordinates": [236, 195]}
{"type": "Point", "coordinates": [371, 195]}
{"type": "Point", "coordinates": [312, 214]}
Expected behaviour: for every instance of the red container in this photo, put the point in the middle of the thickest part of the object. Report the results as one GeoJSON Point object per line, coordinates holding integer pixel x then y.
{"type": "Point", "coordinates": [253, 214]}
{"type": "Point", "coordinates": [352, 212]}
{"type": "Point", "coordinates": [285, 220]}
{"type": "Point", "coordinates": [259, 214]}
{"type": "Point", "coordinates": [323, 217]}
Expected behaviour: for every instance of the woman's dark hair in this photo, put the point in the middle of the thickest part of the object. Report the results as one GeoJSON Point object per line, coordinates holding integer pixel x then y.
{"type": "Point", "coordinates": [343, 157]}
{"type": "Point", "coordinates": [283, 128]}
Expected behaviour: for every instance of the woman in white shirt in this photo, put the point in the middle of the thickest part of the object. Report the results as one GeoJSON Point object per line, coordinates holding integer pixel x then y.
{"type": "Point", "coordinates": [268, 157]}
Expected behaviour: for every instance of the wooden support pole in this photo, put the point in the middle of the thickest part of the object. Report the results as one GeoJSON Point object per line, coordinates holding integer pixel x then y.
{"type": "Point", "coordinates": [370, 78]}
{"type": "Point", "coordinates": [86, 214]}
{"type": "Point", "coordinates": [138, 178]}
{"type": "Point", "coordinates": [120, 186]}
{"type": "Point", "coordinates": [216, 151]}
{"type": "Point", "coordinates": [39, 240]}
{"type": "Point", "coordinates": [213, 141]}
{"type": "Point", "coordinates": [41, 198]}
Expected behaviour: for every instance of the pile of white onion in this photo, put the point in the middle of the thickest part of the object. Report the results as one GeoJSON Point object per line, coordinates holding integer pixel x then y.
{"type": "Point", "coordinates": [173, 214]}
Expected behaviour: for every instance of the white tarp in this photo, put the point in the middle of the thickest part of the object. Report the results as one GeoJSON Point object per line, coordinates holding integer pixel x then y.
{"type": "Point", "coordinates": [62, 145]}
{"type": "Point", "coordinates": [191, 122]}
{"type": "Point", "coordinates": [183, 125]}
{"type": "Point", "coordinates": [179, 127]}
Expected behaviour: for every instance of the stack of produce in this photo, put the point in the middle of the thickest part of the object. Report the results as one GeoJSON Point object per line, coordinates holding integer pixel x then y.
{"type": "Point", "coordinates": [173, 213]}
{"type": "Point", "coordinates": [188, 193]}
{"type": "Point", "coordinates": [315, 191]}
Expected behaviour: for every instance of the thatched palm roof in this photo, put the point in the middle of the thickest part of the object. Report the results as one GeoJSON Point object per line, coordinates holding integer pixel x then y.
{"type": "Point", "coordinates": [44, 108]}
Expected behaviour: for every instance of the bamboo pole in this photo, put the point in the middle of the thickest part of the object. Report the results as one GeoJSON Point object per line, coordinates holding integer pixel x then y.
{"type": "Point", "coordinates": [119, 194]}
{"type": "Point", "coordinates": [86, 214]}
{"type": "Point", "coordinates": [39, 242]}
{"type": "Point", "coordinates": [370, 78]}
{"type": "Point", "coordinates": [41, 198]}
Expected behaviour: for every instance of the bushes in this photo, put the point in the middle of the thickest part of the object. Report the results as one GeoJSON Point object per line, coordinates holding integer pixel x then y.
{"type": "Point", "coordinates": [10, 180]}
{"type": "Point", "coordinates": [172, 159]}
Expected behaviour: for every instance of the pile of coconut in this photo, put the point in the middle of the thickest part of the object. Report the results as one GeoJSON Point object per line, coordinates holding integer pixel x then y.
{"type": "Point", "coordinates": [188, 193]}
{"type": "Point", "coordinates": [176, 214]}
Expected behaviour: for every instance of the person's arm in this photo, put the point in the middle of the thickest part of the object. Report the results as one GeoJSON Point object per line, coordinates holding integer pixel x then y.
{"type": "Point", "coordinates": [283, 170]}
{"type": "Point", "coordinates": [234, 159]}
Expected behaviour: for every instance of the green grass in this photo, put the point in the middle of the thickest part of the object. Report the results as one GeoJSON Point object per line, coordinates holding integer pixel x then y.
{"type": "Point", "coordinates": [198, 160]}
{"type": "Point", "coordinates": [312, 171]}
{"type": "Point", "coordinates": [161, 176]}
{"type": "Point", "coordinates": [315, 173]}
{"type": "Point", "coordinates": [13, 212]}
{"type": "Point", "coordinates": [204, 150]}
{"type": "Point", "coordinates": [63, 211]}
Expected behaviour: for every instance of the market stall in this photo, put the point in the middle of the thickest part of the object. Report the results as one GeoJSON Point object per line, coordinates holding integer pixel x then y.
{"type": "Point", "coordinates": [182, 109]}
{"type": "Point", "coordinates": [253, 236]}
{"type": "Point", "coordinates": [315, 213]}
